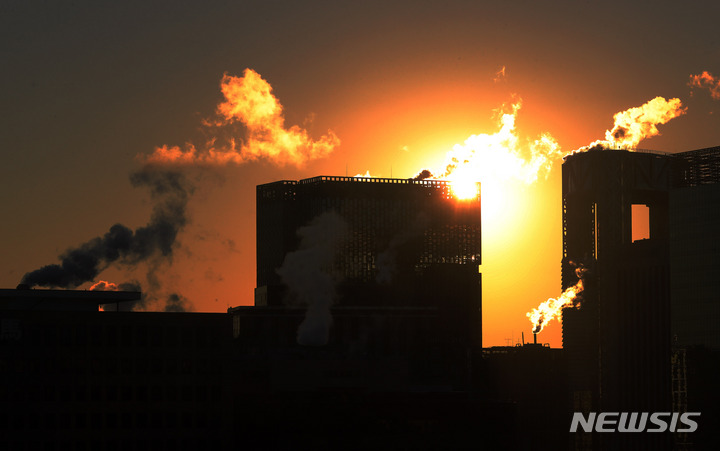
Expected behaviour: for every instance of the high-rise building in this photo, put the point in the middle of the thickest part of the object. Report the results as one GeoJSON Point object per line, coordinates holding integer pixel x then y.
{"type": "Point", "coordinates": [390, 269]}
{"type": "Point", "coordinates": [695, 249]}
{"type": "Point", "coordinates": [618, 343]}
{"type": "Point", "coordinates": [389, 235]}
{"type": "Point", "coordinates": [75, 377]}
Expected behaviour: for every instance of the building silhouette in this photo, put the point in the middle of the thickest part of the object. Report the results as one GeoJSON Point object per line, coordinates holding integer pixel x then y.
{"type": "Point", "coordinates": [406, 285]}
{"type": "Point", "coordinates": [395, 229]}
{"type": "Point", "coordinates": [76, 378]}
{"type": "Point", "coordinates": [400, 367]}
{"type": "Point", "coordinates": [402, 349]}
{"type": "Point", "coordinates": [643, 302]}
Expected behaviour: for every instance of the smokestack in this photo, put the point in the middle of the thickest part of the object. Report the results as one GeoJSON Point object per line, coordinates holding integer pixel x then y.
{"type": "Point", "coordinates": [534, 338]}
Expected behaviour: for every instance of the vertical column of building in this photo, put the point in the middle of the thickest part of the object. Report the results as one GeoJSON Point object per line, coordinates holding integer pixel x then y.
{"type": "Point", "coordinates": [580, 326]}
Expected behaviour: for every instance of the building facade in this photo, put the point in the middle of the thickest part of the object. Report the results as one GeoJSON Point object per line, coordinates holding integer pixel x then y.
{"type": "Point", "coordinates": [394, 230]}
{"type": "Point", "coordinates": [643, 299]}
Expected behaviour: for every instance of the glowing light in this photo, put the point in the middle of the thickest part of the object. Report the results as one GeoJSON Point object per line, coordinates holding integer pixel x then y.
{"type": "Point", "coordinates": [706, 81]}
{"type": "Point", "coordinates": [496, 159]}
{"type": "Point", "coordinates": [552, 308]}
{"type": "Point", "coordinates": [249, 100]}
{"type": "Point", "coordinates": [638, 123]}
{"type": "Point", "coordinates": [464, 185]}
{"type": "Point", "coordinates": [104, 286]}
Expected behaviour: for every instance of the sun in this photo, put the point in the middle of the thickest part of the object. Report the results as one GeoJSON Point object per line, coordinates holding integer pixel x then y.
{"type": "Point", "coordinates": [464, 186]}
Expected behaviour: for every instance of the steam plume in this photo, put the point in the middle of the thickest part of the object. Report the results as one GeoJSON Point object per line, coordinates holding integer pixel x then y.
{"type": "Point", "coordinates": [638, 123]}
{"type": "Point", "coordinates": [706, 81]}
{"type": "Point", "coordinates": [249, 100]}
{"type": "Point", "coordinates": [170, 191]}
{"type": "Point", "coordinates": [501, 156]}
{"type": "Point", "coordinates": [552, 308]}
{"type": "Point", "coordinates": [307, 273]}
{"type": "Point", "coordinates": [496, 157]}
{"type": "Point", "coordinates": [500, 75]}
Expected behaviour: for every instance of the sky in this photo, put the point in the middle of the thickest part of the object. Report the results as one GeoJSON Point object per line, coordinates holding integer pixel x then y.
{"type": "Point", "coordinates": [90, 89]}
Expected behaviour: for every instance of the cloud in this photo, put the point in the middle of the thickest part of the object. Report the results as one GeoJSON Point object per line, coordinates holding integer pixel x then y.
{"type": "Point", "coordinates": [500, 75]}
{"type": "Point", "coordinates": [706, 81]}
{"type": "Point", "coordinates": [249, 101]}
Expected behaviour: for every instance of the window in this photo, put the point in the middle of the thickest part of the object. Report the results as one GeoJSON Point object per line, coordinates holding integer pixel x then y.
{"type": "Point", "coordinates": [640, 222]}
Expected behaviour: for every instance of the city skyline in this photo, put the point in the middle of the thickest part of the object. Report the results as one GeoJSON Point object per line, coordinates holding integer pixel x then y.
{"type": "Point", "coordinates": [91, 91]}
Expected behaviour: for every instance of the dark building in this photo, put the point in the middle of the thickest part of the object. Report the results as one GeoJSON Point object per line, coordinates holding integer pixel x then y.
{"type": "Point", "coordinates": [694, 250]}
{"type": "Point", "coordinates": [403, 257]}
{"type": "Point", "coordinates": [639, 295]}
{"type": "Point", "coordinates": [397, 371]}
{"type": "Point", "coordinates": [394, 230]}
{"type": "Point", "coordinates": [533, 378]}
{"type": "Point", "coordinates": [395, 243]}
{"type": "Point", "coordinates": [405, 318]}
{"type": "Point", "coordinates": [76, 378]}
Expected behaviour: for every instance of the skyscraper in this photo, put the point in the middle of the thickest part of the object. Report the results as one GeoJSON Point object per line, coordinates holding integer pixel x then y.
{"type": "Point", "coordinates": [393, 233]}
{"type": "Point", "coordinates": [618, 342]}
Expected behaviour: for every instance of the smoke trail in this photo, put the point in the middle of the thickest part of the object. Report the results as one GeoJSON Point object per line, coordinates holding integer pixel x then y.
{"type": "Point", "coordinates": [249, 101]}
{"type": "Point", "coordinates": [307, 273]}
{"type": "Point", "coordinates": [706, 81]}
{"type": "Point", "coordinates": [170, 190]}
{"type": "Point", "coordinates": [635, 124]}
{"type": "Point", "coordinates": [500, 75]}
{"type": "Point", "coordinates": [496, 158]}
{"type": "Point", "coordinates": [502, 156]}
{"type": "Point", "coordinates": [424, 174]}
{"type": "Point", "coordinates": [552, 308]}
{"type": "Point", "coordinates": [177, 303]}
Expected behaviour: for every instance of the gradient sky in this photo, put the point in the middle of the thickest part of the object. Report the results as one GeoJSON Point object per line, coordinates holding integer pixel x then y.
{"type": "Point", "coordinates": [86, 86]}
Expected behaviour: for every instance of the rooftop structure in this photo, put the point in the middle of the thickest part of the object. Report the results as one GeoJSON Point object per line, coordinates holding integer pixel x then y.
{"type": "Point", "coordinates": [67, 300]}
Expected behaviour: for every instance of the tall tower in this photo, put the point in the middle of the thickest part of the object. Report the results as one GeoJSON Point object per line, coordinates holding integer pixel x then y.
{"type": "Point", "coordinates": [405, 242]}
{"type": "Point", "coordinates": [618, 340]}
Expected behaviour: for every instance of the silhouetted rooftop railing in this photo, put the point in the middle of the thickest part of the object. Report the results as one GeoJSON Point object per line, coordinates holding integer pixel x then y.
{"type": "Point", "coordinates": [327, 178]}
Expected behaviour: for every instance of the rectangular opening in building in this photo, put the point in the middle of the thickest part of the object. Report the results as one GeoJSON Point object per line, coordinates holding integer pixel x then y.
{"type": "Point", "coordinates": [640, 222]}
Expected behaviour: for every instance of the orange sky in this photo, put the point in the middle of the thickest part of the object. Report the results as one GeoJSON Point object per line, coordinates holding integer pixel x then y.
{"type": "Point", "coordinates": [88, 88]}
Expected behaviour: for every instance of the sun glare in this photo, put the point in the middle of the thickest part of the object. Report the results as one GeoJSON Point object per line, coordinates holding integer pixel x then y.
{"type": "Point", "coordinates": [464, 185]}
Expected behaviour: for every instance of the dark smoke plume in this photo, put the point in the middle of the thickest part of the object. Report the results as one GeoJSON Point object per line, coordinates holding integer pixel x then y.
{"type": "Point", "coordinates": [424, 174]}
{"type": "Point", "coordinates": [170, 190]}
{"type": "Point", "coordinates": [177, 303]}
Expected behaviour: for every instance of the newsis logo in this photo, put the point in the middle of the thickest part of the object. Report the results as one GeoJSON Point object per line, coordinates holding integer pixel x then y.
{"type": "Point", "coordinates": [635, 422]}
